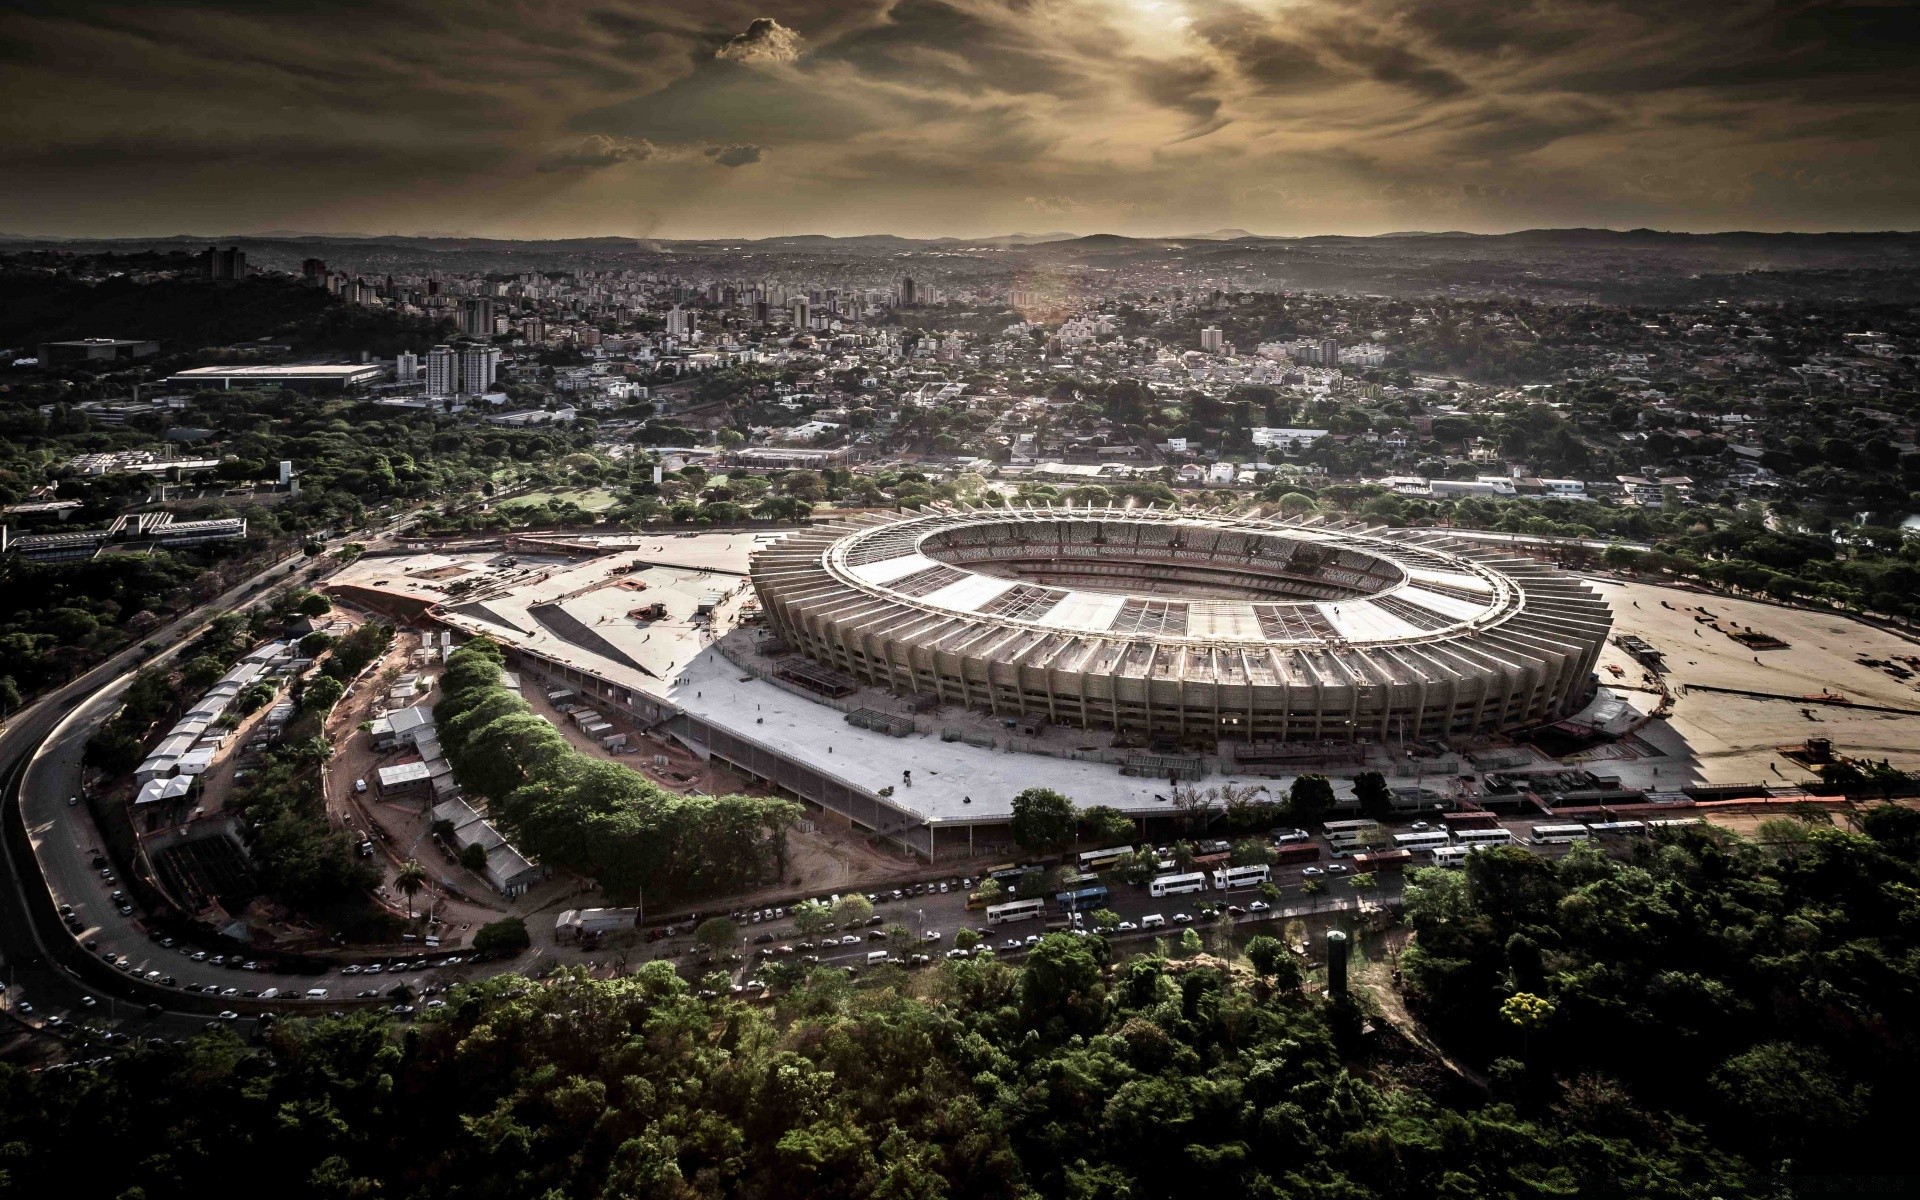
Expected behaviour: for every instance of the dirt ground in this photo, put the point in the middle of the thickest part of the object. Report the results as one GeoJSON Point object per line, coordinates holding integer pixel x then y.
{"type": "Point", "coordinates": [1732, 739]}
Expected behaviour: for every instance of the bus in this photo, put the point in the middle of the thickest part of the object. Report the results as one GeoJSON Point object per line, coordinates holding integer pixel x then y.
{"type": "Point", "coordinates": [1347, 836]}
{"type": "Point", "coordinates": [1674, 822]}
{"type": "Point", "coordinates": [1617, 828]}
{"type": "Point", "coordinates": [1082, 899]}
{"type": "Point", "coordinates": [1451, 856]}
{"type": "Point", "coordinates": [1174, 885]}
{"type": "Point", "coordinates": [1008, 874]}
{"type": "Point", "coordinates": [1098, 860]}
{"type": "Point", "coordinates": [1421, 841]}
{"type": "Point", "coordinates": [1015, 910]}
{"type": "Point", "coordinates": [1546, 835]}
{"type": "Point", "coordinates": [1381, 860]}
{"type": "Point", "coordinates": [1296, 852]}
{"type": "Point", "coordinates": [1483, 837]}
{"type": "Point", "coordinates": [1229, 878]}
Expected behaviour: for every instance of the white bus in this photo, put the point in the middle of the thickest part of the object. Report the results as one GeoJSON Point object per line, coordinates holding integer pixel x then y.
{"type": "Point", "coordinates": [1417, 842]}
{"type": "Point", "coordinates": [1095, 860]}
{"type": "Point", "coordinates": [1015, 910]}
{"type": "Point", "coordinates": [1546, 835]}
{"type": "Point", "coordinates": [1674, 822]}
{"type": "Point", "coordinates": [1174, 885]}
{"type": "Point", "coordinates": [1348, 836]}
{"type": "Point", "coordinates": [1483, 837]}
{"type": "Point", "coordinates": [1451, 856]}
{"type": "Point", "coordinates": [1229, 878]}
{"type": "Point", "coordinates": [1617, 828]}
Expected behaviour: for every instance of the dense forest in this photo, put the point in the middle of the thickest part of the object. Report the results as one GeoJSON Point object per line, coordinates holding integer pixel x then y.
{"type": "Point", "coordinates": [1718, 1018]}
{"type": "Point", "coordinates": [1763, 990]}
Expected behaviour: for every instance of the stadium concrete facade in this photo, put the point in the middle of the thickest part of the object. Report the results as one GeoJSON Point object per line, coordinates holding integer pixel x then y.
{"type": "Point", "coordinates": [1176, 626]}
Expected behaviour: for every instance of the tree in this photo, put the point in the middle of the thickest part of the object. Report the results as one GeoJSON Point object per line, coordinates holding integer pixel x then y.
{"type": "Point", "coordinates": [503, 937]}
{"type": "Point", "coordinates": [201, 673]}
{"type": "Point", "coordinates": [812, 918]}
{"type": "Point", "coordinates": [1108, 825]}
{"type": "Point", "coordinates": [410, 879]}
{"type": "Point", "coordinates": [853, 909]}
{"type": "Point", "coordinates": [718, 934]}
{"type": "Point", "coordinates": [1190, 943]}
{"type": "Point", "coordinates": [1311, 798]}
{"type": "Point", "coordinates": [1061, 980]}
{"type": "Point", "coordinates": [315, 643]}
{"type": "Point", "coordinates": [1265, 953]}
{"type": "Point", "coordinates": [313, 604]}
{"type": "Point", "coordinates": [1106, 920]}
{"type": "Point", "coordinates": [474, 857]}
{"type": "Point", "coordinates": [1043, 821]}
{"type": "Point", "coordinates": [1376, 798]}
{"type": "Point", "coordinates": [966, 939]}
{"type": "Point", "coordinates": [322, 693]}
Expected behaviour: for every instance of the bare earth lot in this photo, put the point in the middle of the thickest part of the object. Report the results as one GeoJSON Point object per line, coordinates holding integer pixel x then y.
{"type": "Point", "coordinates": [1731, 739]}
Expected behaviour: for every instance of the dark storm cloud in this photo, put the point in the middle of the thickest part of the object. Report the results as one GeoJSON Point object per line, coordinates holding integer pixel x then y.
{"type": "Point", "coordinates": [754, 116]}
{"type": "Point", "coordinates": [735, 156]}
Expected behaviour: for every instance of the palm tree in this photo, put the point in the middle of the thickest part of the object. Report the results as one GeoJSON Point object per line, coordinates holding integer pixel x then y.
{"type": "Point", "coordinates": [410, 880]}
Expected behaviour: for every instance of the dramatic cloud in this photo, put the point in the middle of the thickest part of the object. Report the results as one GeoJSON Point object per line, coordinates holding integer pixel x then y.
{"type": "Point", "coordinates": [765, 41]}
{"type": "Point", "coordinates": [595, 151]}
{"type": "Point", "coordinates": [752, 117]}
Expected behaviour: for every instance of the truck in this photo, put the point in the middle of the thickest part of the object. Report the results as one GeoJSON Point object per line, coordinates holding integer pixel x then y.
{"type": "Point", "coordinates": [577, 923]}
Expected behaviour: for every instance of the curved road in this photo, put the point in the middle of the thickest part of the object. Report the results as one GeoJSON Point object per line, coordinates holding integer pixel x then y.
{"type": "Point", "coordinates": [43, 963]}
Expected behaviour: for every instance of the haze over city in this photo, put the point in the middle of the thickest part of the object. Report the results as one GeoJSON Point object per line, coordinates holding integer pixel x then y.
{"type": "Point", "coordinates": [962, 118]}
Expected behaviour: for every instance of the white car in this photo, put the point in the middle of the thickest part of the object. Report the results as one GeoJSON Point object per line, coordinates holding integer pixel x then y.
{"type": "Point", "coordinates": [852, 939]}
{"type": "Point", "coordinates": [1126, 927]}
{"type": "Point", "coordinates": [360, 785]}
{"type": "Point", "coordinates": [1258, 906]}
{"type": "Point", "coordinates": [1311, 872]}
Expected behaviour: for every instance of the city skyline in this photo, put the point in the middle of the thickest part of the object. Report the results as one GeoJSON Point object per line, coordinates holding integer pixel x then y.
{"type": "Point", "coordinates": [962, 119]}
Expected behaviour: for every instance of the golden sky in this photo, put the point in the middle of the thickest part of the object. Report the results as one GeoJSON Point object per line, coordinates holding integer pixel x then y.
{"type": "Point", "coordinates": [553, 118]}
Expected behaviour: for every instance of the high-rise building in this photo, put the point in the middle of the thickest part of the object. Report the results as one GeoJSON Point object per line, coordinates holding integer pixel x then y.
{"type": "Point", "coordinates": [1211, 340]}
{"type": "Point", "coordinates": [313, 271]}
{"type": "Point", "coordinates": [799, 312]}
{"type": "Point", "coordinates": [477, 367]}
{"type": "Point", "coordinates": [476, 317]}
{"type": "Point", "coordinates": [908, 295]}
{"type": "Point", "coordinates": [225, 264]}
{"type": "Point", "coordinates": [443, 371]}
{"type": "Point", "coordinates": [1329, 352]}
{"type": "Point", "coordinates": [406, 366]}
{"type": "Point", "coordinates": [680, 322]}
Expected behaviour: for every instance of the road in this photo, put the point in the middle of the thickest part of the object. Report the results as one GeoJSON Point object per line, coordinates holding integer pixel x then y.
{"type": "Point", "coordinates": [945, 914]}
{"type": "Point", "coordinates": [42, 961]}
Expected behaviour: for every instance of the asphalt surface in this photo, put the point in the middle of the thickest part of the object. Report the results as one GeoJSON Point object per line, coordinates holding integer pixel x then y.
{"type": "Point", "coordinates": [935, 918]}
{"type": "Point", "coordinates": [45, 966]}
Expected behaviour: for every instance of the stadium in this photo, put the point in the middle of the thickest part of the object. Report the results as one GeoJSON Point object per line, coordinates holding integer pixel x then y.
{"type": "Point", "coordinates": [1184, 628]}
